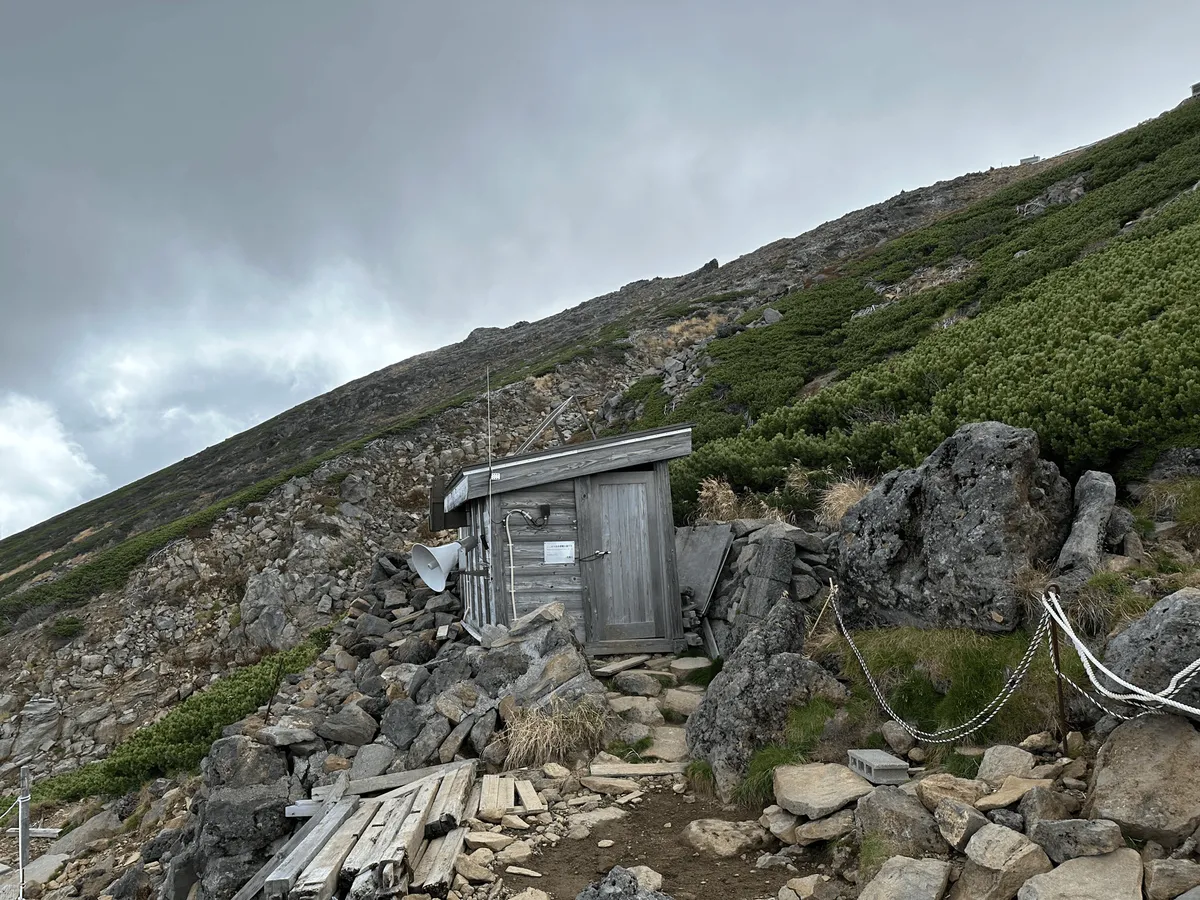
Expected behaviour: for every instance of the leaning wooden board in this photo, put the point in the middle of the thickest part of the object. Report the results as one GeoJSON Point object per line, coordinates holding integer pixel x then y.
{"type": "Point", "coordinates": [280, 882]}
{"type": "Point", "coordinates": [319, 879]}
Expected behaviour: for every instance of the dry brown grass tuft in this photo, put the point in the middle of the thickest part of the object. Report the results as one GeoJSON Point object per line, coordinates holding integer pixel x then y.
{"type": "Point", "coordinates": [695, 329]}
{"type": "Point", "coordinates": [551, 733]}
{"type": "Point", "coordinates": [839, 496]}
{"type": "Point", "coordinates": [718, 502]}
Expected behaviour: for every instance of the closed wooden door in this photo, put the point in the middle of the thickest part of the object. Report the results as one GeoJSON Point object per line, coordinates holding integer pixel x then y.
{"type": "Point", "coordinates": [625, 585]}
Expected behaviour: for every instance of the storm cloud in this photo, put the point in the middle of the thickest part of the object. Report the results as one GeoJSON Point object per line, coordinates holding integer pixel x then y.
{"type": "Point", "coordinates": [210, 212]}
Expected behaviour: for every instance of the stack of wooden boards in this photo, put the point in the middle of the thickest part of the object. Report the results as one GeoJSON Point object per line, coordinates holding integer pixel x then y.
{"type": "Point", "coordinates": [377, 837]}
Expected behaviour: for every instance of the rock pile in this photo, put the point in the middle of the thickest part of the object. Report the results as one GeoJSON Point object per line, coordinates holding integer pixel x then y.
{"type": "Point", "coordinates": [767, 560]}
{"type": "Point", "coordinates": [403, 687]}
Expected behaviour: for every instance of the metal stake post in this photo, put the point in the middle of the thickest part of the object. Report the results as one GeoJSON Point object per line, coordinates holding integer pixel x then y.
{"type": "Point", "coordinates": [1062, 705]}
{"type": "Point", "coordinates": [23, 827]}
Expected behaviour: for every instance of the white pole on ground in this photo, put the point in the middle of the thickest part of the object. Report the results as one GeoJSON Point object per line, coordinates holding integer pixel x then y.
{"type": "Point", "coordinates": [23, 828]}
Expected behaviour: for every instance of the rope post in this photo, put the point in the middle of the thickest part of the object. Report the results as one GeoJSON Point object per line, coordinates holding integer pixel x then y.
{"type": "Point", "coordinates": [1062, 703]}
{"type": "Point", "coordinates": [23, 826]}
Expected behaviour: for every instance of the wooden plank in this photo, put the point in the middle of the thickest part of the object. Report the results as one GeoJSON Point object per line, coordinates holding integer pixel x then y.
{"type": "Point", "coordinates": [436, 869]}
{"type": "Point", "coordinates": [639, 645]}
{"type": "Point", "coordinates": [529, 798]}
{"type": "Point", "coordinates": [622, 770]}
{"type": "Point", "coordinates": [472, 808]}
{"type": "Point", "coordinates": [611, 669]}
{"type": "Point", "coordinates": [557, 583]}
{"type": "Point", "coordinates": [399, 779]}
{"type": "Point", "coordinates": [670, 607]}
{"type": "Point", "coordinates": [701, 551]}
{"type": "Point", "coordinates": [363, 856]}
{"type": "Point", "coordinates": [319, 880]}
{"type": "Point", "coordinates": [497, 797]}
{"type": "Point", "coordinates": [37, 832]}
{"type": "Point", "coordinates": [254, 886]}
{"type": "Point", "coordinates": [280, 882]}
{"type": "Point", "coordinates": [398, 849]}
{"type": "Point", "coordinates": [412, 788]}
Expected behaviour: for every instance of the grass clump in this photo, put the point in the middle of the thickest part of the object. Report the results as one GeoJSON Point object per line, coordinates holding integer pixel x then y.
{"type": "Point", "coordinates": [1106, 601]}
{"type": "Point", "coordinates": [700, 774]}
{"type": "Point", "coordinates": [1176, 500]}
{"type": "Point", "coordinates": [961, 765]}
{"type": "Point", "coordinates": [839, 496]}
{"type": "Point", "coordinates": [874, 850]}
{"type": "Point", "coordinates": [552, 732]}
{"type": "Point", "coordinates": [630, 752]}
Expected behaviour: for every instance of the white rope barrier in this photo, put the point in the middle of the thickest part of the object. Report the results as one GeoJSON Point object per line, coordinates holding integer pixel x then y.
{"type": "Point", "coordinates": [1140, 696]}
{"type": "Point", "coordinates": [981, 719]}
{"type": "Point", "coordinates": [1053, 615]}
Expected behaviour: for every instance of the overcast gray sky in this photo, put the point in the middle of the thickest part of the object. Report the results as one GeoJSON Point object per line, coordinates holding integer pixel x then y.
{"type": "Point", "coordinates": [212, 211]}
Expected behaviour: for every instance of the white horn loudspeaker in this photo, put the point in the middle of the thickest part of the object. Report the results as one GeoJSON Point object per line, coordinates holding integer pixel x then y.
{"type": "Point", "coordinates": [434, 564]}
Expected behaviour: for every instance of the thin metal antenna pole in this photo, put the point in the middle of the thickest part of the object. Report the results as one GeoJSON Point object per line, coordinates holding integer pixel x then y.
{"type": "Point", "coordinates": [23, 827]}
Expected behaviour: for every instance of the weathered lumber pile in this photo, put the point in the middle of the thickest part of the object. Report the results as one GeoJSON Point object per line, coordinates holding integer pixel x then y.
{"type": "Point", "coordinates": [377, 837]}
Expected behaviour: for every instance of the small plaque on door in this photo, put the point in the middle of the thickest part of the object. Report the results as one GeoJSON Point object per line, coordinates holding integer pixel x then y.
{"type": "Point", "coordinates": [559, 553]}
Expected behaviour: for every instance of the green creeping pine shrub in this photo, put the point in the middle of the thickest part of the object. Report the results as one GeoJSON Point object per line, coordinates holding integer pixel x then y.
{"type": "Point", "coordinates": [801, 735]}
{"type": "Point", "coordinates": [1096, 358]}
{"type": "Point", "coordinates": [178, 741]}
{"type": "Point", "coordinates": [1058, 341]}
{"type": "Point", "coordinates": [66, 627]}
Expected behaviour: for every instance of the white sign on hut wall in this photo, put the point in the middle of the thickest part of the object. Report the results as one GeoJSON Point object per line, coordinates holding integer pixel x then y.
{"type": "Point", "coordinates": [559, 553]}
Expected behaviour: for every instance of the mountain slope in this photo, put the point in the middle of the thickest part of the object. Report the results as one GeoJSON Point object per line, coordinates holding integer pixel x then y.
{"type": "Point", "coordinates": [99, 542]}
{"type": "Point", "coordinates": [1065, 302]}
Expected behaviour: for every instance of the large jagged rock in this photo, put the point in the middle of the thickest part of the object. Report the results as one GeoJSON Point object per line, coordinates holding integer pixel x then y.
{"type": "Point", "coordinates": [816, 790]}
{"type": "Point", "coordinates": [944, 544]}
{"type": "Point", "coordinates": [619, 884]}
{"type": "Point", "coordinates": [1095, 497]}
{"type": "Point", "coordinates": [1114, 876]}
{"type": "Point", "coordinates": [38, 725]}
{"type": "Point", "coordinates": [1145, 780]}
{"type": "Point", "coordinates": [747, 704]}
{"type": "Point", "coordinates": [264, 617]}
{"type": "Point", "coordinates": [1158, 645]}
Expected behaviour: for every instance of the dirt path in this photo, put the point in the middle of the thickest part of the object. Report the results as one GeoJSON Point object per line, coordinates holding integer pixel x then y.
{"type": "Point", "coordinates": [644, 838]}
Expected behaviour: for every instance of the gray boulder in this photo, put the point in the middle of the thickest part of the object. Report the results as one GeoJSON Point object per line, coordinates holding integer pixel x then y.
{"type": "Point", "coordinates": [619, 884]}
{"type": "Point", "coordinates": [747, 704]}
{"type": "Point", "coordinates": [903, 878]}
{"type": "Point", "coordinates": [264, 620]}
{"type": "Point", "coordinates": [1095, 497]}
{"type": "Point", "coordinates": [942, 545]}
{"type": "Point", "coordinates": [402, 722]}
{"type": "Point", "coordinates": [1164, 641]}
{"type": "Point", "coordinates": [1145, 780]}
{"type": "Point", "coordinates": [1071, 838]}
{"type": "Point", "coordinates": [1114, 876]}
{"type": "Point", "coordinates": [901, 821]}
{"type": "Point", "coordinates": [240, 761]}
{"type": "Point", "coordinates": [38, 724]}
{"type": "Point", "coordinates": [349, 725]}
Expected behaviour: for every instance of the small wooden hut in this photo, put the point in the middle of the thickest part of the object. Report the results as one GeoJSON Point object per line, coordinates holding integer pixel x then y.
{"type": "Point", "coordinates": [588, 524]}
